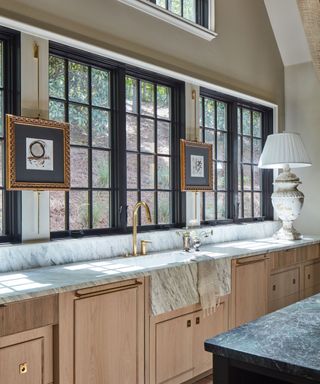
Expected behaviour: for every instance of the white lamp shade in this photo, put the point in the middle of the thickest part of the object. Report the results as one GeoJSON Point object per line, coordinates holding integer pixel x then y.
{"type": "Point", "coordinates": [284, 148]}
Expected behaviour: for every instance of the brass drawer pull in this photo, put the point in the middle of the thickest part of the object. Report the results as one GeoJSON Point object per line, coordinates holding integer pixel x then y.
{"type": "Point", "coordinates": [189, 323]}
{"type": "Point", "coordinates": [84, 293]}
{"type": "Point", "coordinates": [293, 281]}
{"type": "Point", "coordinates": [197, 320]}
{"type": "Point", "coordinates": [274, 287]}
{"type": "Point", "coordinates": [309, 276]}
{"type": "Point", "coordinates": [23, 368]}
{"type": "Point", "coordinates": [251, 260]}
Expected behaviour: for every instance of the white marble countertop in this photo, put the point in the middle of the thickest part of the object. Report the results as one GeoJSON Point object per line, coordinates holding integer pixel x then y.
{"type": "Point", "coordinates": [26, 284]}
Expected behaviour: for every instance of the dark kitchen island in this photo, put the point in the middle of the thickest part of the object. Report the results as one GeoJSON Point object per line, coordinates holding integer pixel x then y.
{"type": "Point", "coordinates": [281, 347]}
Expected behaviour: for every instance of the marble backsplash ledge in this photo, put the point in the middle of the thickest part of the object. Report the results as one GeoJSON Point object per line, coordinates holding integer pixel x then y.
{"type": "Point", "coordinates": [26, 256]}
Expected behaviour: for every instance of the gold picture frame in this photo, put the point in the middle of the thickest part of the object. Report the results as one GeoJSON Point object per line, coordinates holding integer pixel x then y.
{"type": "Point", "coordinates": [196, 166]}
{"type": "Point", "coordinates": [37, 154]}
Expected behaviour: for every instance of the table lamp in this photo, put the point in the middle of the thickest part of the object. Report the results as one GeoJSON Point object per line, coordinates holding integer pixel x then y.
{"type": "Point", "coordinates": [285, 151]}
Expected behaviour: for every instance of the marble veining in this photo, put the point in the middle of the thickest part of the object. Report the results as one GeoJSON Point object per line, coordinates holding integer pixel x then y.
{"type": "Point", "coordinates": [25, 284]}
{"type": "Point", "coordinates": [26, 256]}
{"type": "Point", "coordinates": [286, 340]}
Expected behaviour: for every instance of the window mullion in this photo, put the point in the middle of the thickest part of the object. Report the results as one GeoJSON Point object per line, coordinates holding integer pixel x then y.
{"type": "Point", "coordinates": [66, 111]}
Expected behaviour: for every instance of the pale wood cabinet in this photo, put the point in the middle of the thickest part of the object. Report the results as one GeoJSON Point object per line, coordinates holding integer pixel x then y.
{"type": "Point", "coordinates": [177, 342]}
{"type": "Point", "coordinates": [27, 357]}
{"type": "Point", "coordinates": [249, 289]}
{"type": "Point", "coordinates": [103, 334]}
{"type": "Point", "coordinates": [311, 278]}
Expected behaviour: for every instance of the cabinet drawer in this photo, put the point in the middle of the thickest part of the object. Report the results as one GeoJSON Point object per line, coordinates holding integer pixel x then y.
{"type": "Point", "coordinates": [311, 275]}
{"type": "Point", "coordinates": [284, 284]}
{"type": "Point", "coordinates": [22, 363]}
{"type": "Point", "coordinates": [283, 259]}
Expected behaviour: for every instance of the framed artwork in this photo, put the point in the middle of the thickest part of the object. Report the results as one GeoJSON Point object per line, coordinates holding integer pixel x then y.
{"type": "Point", "coordinates": [37, 154]}
{"type": "Point", "coordinates": [196, 166]}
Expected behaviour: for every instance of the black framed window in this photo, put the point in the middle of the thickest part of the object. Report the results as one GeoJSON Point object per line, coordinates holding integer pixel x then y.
{"type": "Point", "coordinates": [237, 130]}
{"type": "Point", "coordinates": [149, 150]}
{"type": "Point", "coordinates": [80, 94]}
{"type": "Point", "coordinates": [196, 11]}
{"type": "Point", "coordinates": [10, 202]}
{"type": "Point", "coordinates": [125, 127]}
{"type": "Point", "coordinates": [214, 130]}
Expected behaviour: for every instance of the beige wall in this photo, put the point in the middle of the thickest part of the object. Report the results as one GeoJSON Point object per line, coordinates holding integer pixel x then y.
{"type": "Point", "coordinates": [243, 57]}
{"type": "Point", "coordinates": [302, 89]}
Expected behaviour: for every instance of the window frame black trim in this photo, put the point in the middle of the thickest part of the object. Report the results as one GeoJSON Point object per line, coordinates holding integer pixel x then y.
{"type": "Point", "coordinates": [118, 71]}
{"type": "Point", "coordinates": [267, 175]}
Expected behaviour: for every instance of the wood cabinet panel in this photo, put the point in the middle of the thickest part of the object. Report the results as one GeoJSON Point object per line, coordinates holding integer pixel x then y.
{"type": "Point", "coordinates": [249, 290]}
{"type": "Point", "coordinates": [311, 275]}
{"type": "Point", "coordinates": [28, 314]}
{"type": "Point", "coordinates": [22, 363]}
{"type": "Point", "coordinates": [109, 337]}
{"type": "Point", "coordinates": [284, 284]}
{"type": "Point", "coordinates": [174, 350]}
{"type": "Point", "coordinates": [283, 301]}
{"type": "Point", "coordinates": [205, 327]}
{"type": "Point", "coordinates": [283, 259]}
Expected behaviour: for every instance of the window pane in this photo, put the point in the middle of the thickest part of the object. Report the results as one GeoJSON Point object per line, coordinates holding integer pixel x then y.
{"type": "Point", "coordinates": [1, 212]}
{"type": "Point", "coordinates": [240, 215]}
{"type": "Point", "coordinates": [257, 204]}
{"type": "Point", "coordinates": [100, 209]}
{"type": "Point", "coordinates": [56, 77]}
{"type": "Point", "coordinates": [132, 171]}
{"type": "Point", "coordinates": [100, 169]}
{"type": "Point", "coordinates": [1, 113]}
{"type": "Point", "coordinates": [79, 210]}
{"type": "Point", "coordinates": [239, 120]}
{"type": "Point", "coordinates": [161, 3]}
{"type": "Point", "coordinates": [1, 64]}
{"type": "Point", "coordinates": [221, 206]}
{"type": "Point", "coordinates": [79, 124]}
{"type": "Point", "coordinates": [163, 102]}
{"type": "Point", "coordinates": [221, 116]}
{"type": "Point", "coordinates": [221, 176]}
{"type": "Point", "coordinates": [256, 150]}
{"type": "Point", "coordinates": [210, 211]}
{"type": "Point", "coordinates": [132, 132]}
{"type": "Point", "coordinates": [247, 204]}
{"type": "Point", "coordinates": [257, 124]}
{"type": "Point", "coordinates": [210, 138]}
{"type": "Point", "coordinates": [246, 177]}
{"type": "Point", "coordinates": [221, 146]}
{"type": "Point", "coordinates": [164, 208]}
{"type": "Point", "coordinates": [164, 173]}
{"type": "Point", "coordinates": [164, 133]}
{"type": "Point", "coordinates": [79, 167]}
{"type": "Point", "coordinates": [257, 178]}
{"type": "Point", "coordinates": [100, 88]}
{"type": "Point", "coordinates": [147, 98]}
{"type": "Point", "coordinates": [57, 211]}
{"type": "Point", "coordinates": [78, 82]}
{"type": "Point", "coordinates": [131, 95]}
{"type": "Point", "coordinates": [149, 198]}
{"type": "Point", "coordinates": [147, 135]}
{"type": "Point", "coordinates": [189, 10]}
{"type": "Point", "coordinates": [175, 6]}
{"type": "Point", "coordinates": [100, 128]}
{"type": "Point", "coordinates": [57, 110]}
{"type": "Point", "coordinates": [246, 149]}
{"type": "Point", "coordinates": [246, 121]}
{"type": "Point", "coordinates": [209, 113]}
{"type": "Point", "coordinates": [147, 171]}
{"type": "Point", "coordinates": [132, 199]}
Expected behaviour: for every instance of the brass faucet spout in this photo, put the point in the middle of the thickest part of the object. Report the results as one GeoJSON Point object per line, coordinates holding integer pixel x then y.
{"type": "Point", "coordinates": [135, 223]}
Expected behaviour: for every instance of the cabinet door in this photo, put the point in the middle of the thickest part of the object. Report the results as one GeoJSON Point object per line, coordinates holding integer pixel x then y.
{"type": "Point", "coordinates": [311, 279]}
{"type": "Point", "coordinates": [108, 338]}
{"type": "Point", "coordinates": [174, 350]}
{"type": "Point", "coordinates": [22, 363]}
{"type": "Point", "coordinates": [205, 327]}
{"type": "Point", "coordinates": [249, 289]}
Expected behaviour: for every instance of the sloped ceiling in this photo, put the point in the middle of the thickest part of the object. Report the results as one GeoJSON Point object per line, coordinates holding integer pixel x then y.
{"type": "Point", "coordinates": [310, 15]}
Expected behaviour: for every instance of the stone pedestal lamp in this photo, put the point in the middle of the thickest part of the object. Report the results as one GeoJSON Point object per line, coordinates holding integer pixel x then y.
{"type": "Point", "coordinates": [285, 151]}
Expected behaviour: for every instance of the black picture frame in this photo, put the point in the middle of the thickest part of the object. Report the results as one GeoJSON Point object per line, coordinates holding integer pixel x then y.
{"type": "Point", "coordinates": [38, 154]}
{"type": "Point", "coordinates": [196, 166]}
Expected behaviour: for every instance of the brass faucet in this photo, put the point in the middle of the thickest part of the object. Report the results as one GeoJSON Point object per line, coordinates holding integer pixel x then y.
{"type": "Point", "coordinates": [135, 223]}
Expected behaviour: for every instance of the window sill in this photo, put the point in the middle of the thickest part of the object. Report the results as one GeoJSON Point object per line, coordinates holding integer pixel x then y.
{"type": "Point", "coordinates": [178, 21]}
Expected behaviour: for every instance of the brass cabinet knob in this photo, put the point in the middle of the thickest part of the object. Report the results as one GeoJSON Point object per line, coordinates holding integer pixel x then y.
{"type": "Point", "coordinates": [189, 323]}
{"type": "Point", "coordinates": [309, 276]}
{"type": "Point", "coordinates": [23, 368]}
{"type": "Point", "coordinates": [274, 287]}
{"type": "Point", "coordinates": [294, 281]}
{"type": "Point", "coordinates": [197, 320]}
{"type": "Point", "coordinates": [144, 246]}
